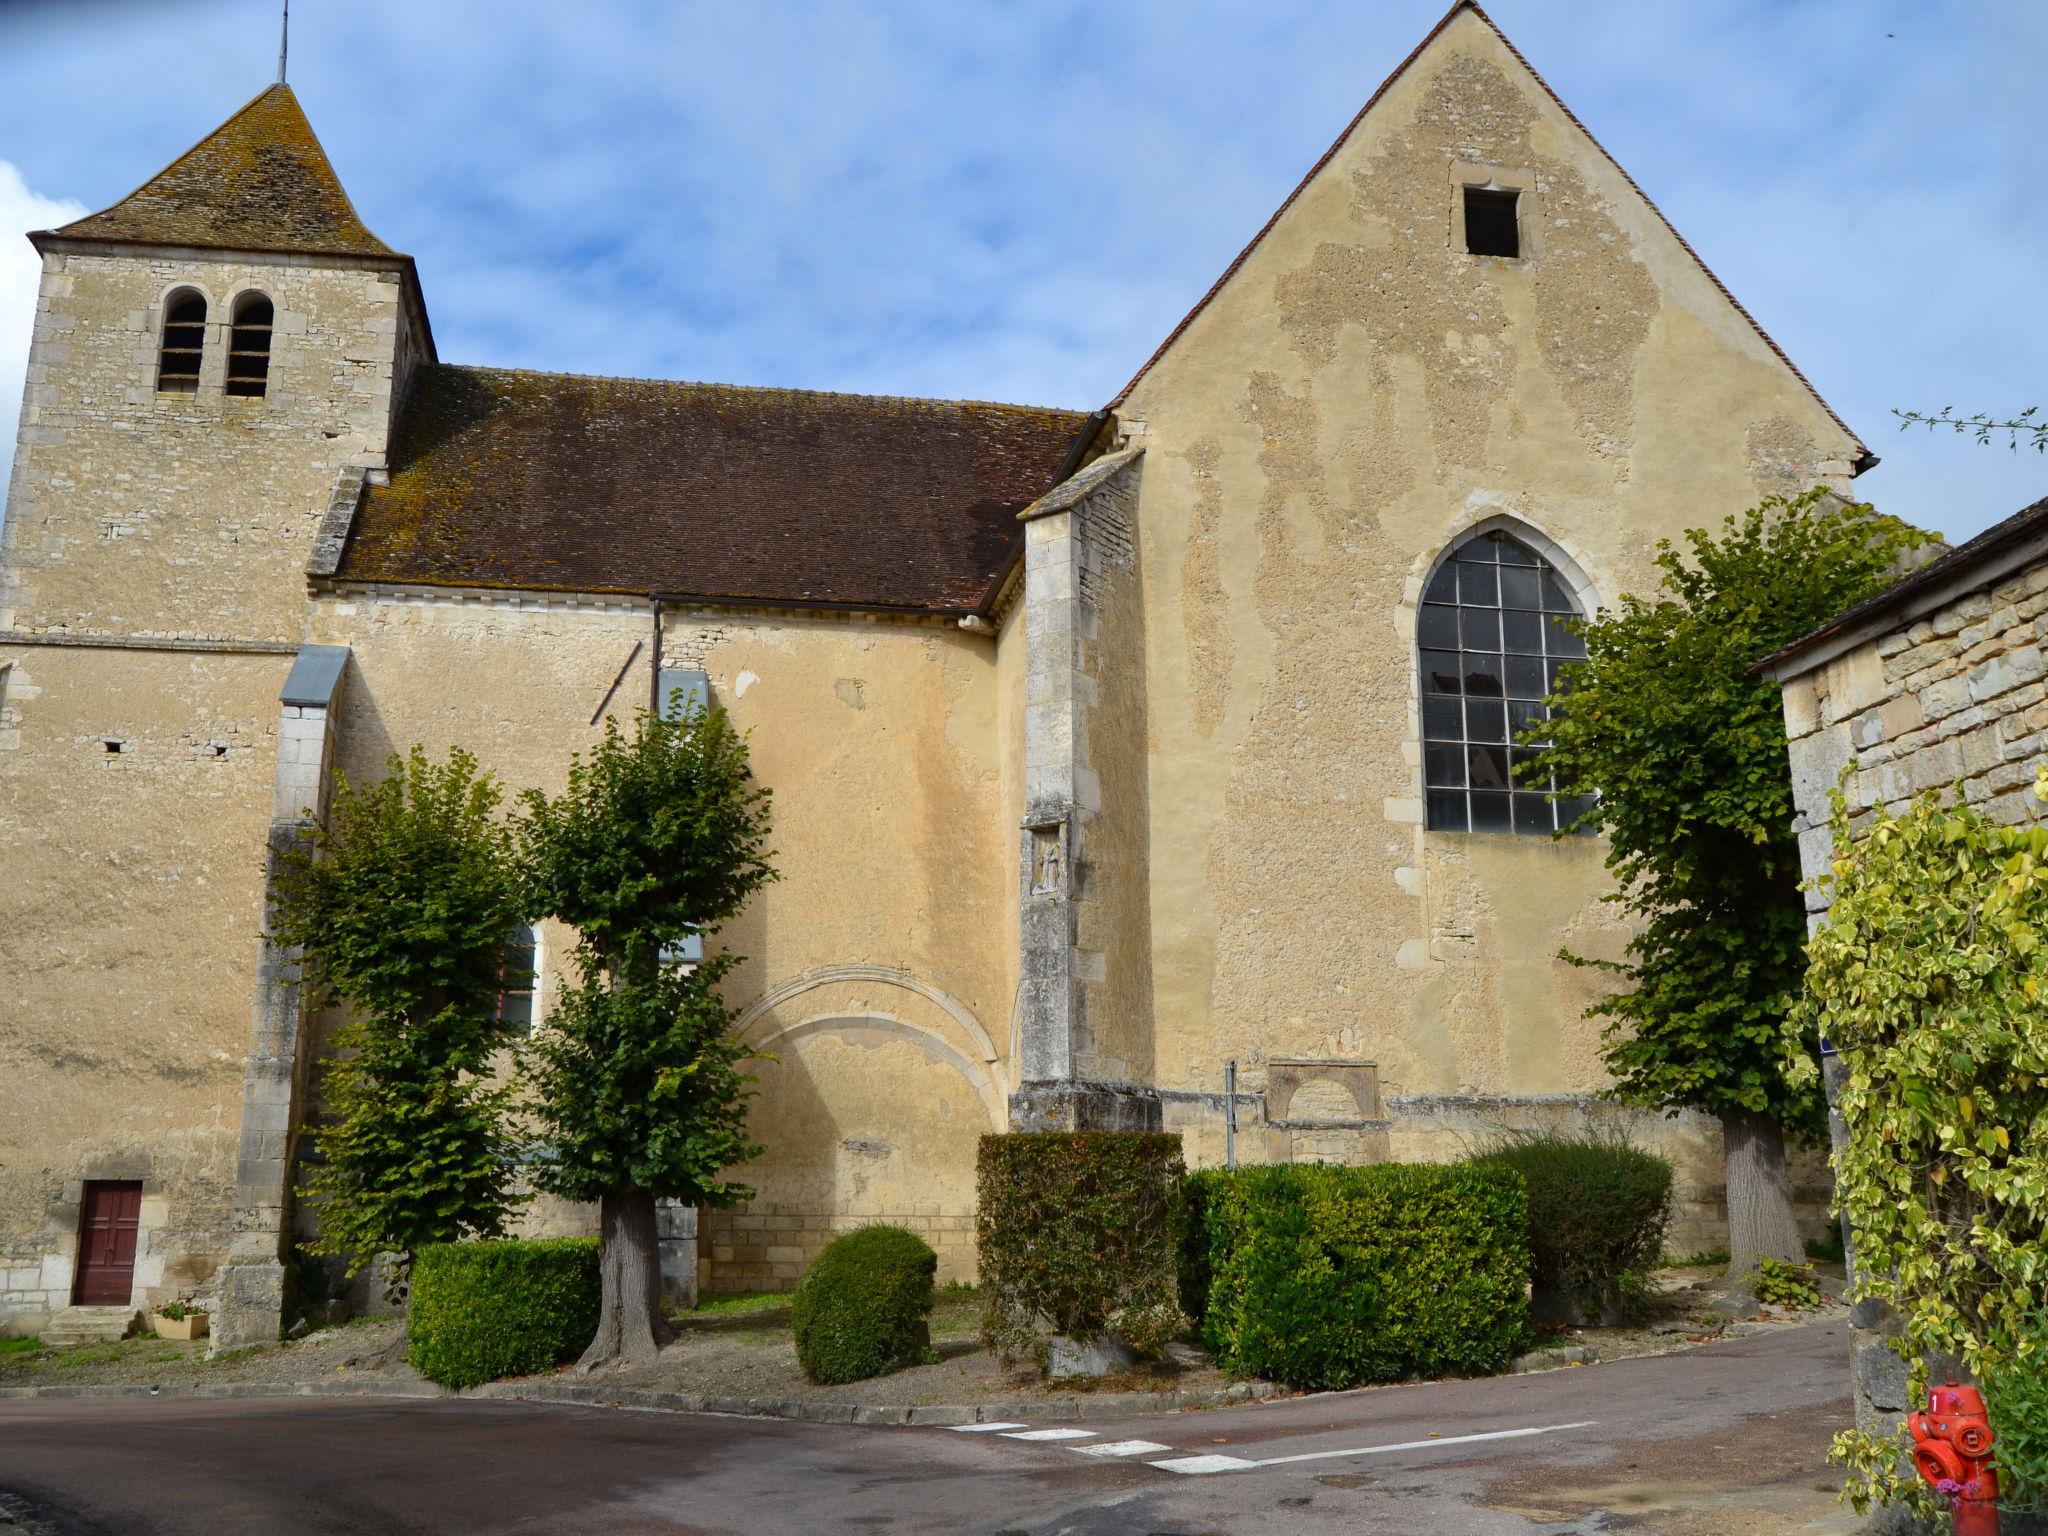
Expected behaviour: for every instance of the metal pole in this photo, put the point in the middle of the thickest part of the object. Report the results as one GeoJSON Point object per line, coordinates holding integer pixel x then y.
{"type": "Point", "coordinates": [1230, 1114]}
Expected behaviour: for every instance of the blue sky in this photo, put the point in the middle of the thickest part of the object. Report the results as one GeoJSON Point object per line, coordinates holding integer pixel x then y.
{"type": "Point", "coordinates": [1017, 201]}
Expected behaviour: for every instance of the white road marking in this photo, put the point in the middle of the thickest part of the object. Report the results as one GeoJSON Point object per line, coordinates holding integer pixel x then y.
{"type": "Point", "coordinates": [980, 1429]}
{"type": "Point", "coordinates": [1123, 1448]}
{"type": "Point", "coordinates": [1049, 1434]}
{"type": "Point", "coordinates": [1198, 1465]}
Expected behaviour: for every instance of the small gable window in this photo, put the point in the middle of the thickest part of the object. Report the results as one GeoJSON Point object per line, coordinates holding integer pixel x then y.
{"type": "Point", "coordinates": [518, 976]}
{"type": "Point", "coordinates": [1492, 646]}
{"type": "Point", "coordinates": [1491, 228]}
{"type": "Point", "coordinates": [177, 365]}
{"type": "Point", "coordinates": [249, 346]}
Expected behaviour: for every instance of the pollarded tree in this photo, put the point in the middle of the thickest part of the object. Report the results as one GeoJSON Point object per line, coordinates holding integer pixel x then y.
{"type": "Point", "coordinates": [638, 1094]}
{"type": "Point", "coordinates": [402, 907]}
{"type": "Point", "coordinates": [1686, 750]}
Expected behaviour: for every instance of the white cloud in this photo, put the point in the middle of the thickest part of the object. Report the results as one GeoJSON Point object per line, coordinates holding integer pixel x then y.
{"type": "Point", "coordinates": [21, 271]}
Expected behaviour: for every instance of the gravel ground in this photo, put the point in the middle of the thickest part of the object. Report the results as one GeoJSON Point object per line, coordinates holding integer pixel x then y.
{"type": "Point", "coordinates": [742, 1348]}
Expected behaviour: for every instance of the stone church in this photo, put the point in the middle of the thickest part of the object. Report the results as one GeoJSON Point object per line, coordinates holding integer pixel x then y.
{"type": "Point", "coordinates": [1108, 749]}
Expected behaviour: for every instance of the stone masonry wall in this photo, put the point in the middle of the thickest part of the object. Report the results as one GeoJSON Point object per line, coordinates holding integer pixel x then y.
{"type": "Point", "coordinates": [1953, 701]}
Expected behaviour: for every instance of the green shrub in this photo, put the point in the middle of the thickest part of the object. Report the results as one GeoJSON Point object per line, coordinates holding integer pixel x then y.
{"type": "Point", "coordinates": [1329, 1276]}
{"type": "Point", "coordinates": [1195, 1273]}
{"type": "Point", "coordinates": [1080, 1235]}
{"type": "Point", "coordinates": [488, 1309]}
{"type": "Point", "coordinates": [864, 1307]}
{"type": "Point", "coordinates": [2018, 1399]}
{"type": "Point", "coordinates": [1598, 1210]}
{"type": "Point", "coordinates": [1779, 1284]}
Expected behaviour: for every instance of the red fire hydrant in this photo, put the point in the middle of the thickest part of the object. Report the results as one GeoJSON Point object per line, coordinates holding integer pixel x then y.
{"type": "Point", "coordinates": [1952, 1451]}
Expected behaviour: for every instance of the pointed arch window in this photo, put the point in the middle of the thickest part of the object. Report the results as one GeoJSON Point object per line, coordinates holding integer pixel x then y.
{"type": "Point", "coordinates": [249, 345]}
{"type": "Point", "coordinates": [184, 343]}
{"type": "Point", "coordinates": [1492, 646]}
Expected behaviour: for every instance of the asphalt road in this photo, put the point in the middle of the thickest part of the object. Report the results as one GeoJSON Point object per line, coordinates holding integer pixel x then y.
{"type": "Point", "coordinates": [1729, 1440]}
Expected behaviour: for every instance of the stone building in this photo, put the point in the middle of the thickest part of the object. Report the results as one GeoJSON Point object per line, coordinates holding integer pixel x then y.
{"type": "Point", "coordinates": [1107, 749]}
{"type": "Point", "coordinates": [1937, 683]}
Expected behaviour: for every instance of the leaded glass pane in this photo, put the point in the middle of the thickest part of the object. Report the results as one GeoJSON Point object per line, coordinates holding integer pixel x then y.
{"type": "Point", "coordinates": [1492, 648]}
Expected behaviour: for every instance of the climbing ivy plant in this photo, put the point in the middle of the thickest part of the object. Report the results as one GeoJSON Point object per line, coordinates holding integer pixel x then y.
{"type": "Point", "coordinates": [1929, 979]}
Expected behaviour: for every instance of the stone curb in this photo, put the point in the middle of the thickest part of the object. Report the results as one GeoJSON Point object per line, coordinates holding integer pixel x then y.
{"type": "Point", "coordinates": [1108, 1406]}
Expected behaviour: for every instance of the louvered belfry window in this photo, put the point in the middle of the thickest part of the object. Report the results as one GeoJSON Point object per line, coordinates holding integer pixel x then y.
{"type": "Point", "coordinates": [1492, 648]}
{"type": "Point", "coordinates": [177, 364]}
{"type": "Point", "coordinates": [249, 346]}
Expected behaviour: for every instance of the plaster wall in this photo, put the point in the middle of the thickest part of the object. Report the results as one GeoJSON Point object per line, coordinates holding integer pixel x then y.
{"type": "Point", "coordinates": [139, 511]}
{"type": "Point", "coordinates": [876, 972]}
{"type": "Point", "coordinates": [1355, 396]}
{"type": "Point", "coordinates": [130, 905]}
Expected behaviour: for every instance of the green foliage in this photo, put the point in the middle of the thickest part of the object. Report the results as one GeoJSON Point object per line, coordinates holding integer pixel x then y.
{"type": "Point", "coordinates": [1928, 978]}
{"type": "Point", "coordinates": [178, 1311]}
{"type": "Point", "coordinates": [2018, 1400]}
{"type": "Point", "coordinates": [2028, 427]}
{"type": "Point", "coordinates": [1329, 1276]}
{"type": "Point", "coordinates": [637, 1085]}
{"type": "Point", "coordinates": [1079, 1234]}
{"type": "Point", "coordinates": [864, 1307]}
{"type": "Point", "coordinates": [1598, 1210]}
{"type": "Point", "coordinates": [402, 906]}
{"type": "Point", "coordinates": [655, 837]}
{"type": "Point", "coordinates": [1687, 753]}
{"type": "Point", "coordinates": [1825, 1250]}
{"type": "Point", "coordinates": [1194, 1274]}
{"type": "Point", "coordinates": [484, 1310]}
{"type": "Point", "coordinates": [637, 1079]}
{"type": "Point", "coordinates": [1779, 1284]}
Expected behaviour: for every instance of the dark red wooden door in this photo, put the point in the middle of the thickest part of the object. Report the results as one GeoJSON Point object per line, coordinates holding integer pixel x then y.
{"type": "Point", "coordinates": [106, 1243]}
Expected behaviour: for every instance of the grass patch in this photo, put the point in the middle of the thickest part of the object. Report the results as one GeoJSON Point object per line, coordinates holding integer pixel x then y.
{"type": "Point", "coordinates": [1706, 1260]}
{"type": "Point", "coordinates": [738, 1303]}
{"type": "Point", "coordinates": [19, 1347]}
{"type": "Point", "coordinates": [115, 1352]}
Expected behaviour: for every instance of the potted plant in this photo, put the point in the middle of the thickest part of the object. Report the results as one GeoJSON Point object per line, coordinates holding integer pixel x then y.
{"type": "Point", "coordinates": [180, 1320]}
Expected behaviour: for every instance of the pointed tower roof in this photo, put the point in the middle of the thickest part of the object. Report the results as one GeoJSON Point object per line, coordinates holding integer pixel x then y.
{"type": "Point", "coordinates": [259, 182]}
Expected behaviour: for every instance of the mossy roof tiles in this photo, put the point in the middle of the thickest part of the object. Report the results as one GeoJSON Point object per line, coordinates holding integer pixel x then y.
{"type": "Point", "coordinates": [259, 182]}
{"type": "Point", "coordinates": [561, 482]}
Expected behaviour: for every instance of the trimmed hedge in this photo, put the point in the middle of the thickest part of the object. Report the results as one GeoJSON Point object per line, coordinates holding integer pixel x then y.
{"type": "Point", "coordinates": [1328, 1276]}
{"type": "Point", "coordinates": [864, 1306]}
{"type": "Point", "coordinates": [482, 1310]}
{"type": "Point", "coordinates": [1598, 1210]}
{"type": "Point", "coordinates": [1080, 1235]}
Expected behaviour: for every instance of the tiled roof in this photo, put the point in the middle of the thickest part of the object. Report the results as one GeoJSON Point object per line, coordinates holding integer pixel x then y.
{"type": "Point", "coordinates": [1940, 574]}
{"type": "Point", "coordinates": [259, 182]}
{"type": "Point", "coordinates": [560, 482]}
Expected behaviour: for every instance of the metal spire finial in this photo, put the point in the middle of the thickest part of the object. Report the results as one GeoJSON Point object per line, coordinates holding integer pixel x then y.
{"type": "Point", "coordinates": [284, 40]}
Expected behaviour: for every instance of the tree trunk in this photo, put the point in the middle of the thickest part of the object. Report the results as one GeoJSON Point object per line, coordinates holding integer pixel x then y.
{"type": "Point", "coordinates": [1760, 1224]}
{"type": "Point", "coordinates": [630, 1327]}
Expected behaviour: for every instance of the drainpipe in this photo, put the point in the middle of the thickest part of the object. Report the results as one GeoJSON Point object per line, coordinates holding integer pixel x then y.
{"type": "Point", "coordinates": [654, 662]}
